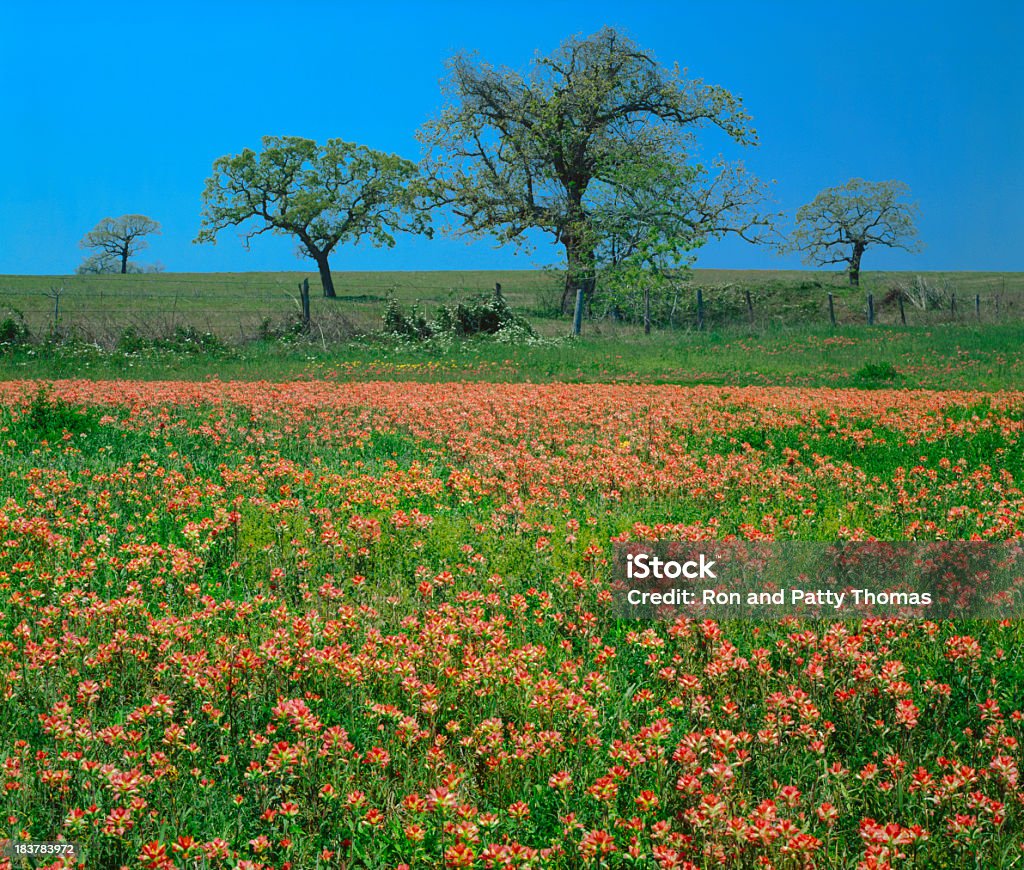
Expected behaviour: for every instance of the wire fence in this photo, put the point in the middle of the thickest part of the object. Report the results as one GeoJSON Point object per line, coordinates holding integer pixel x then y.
{"type": "Point", "coordinates": [238, 308]}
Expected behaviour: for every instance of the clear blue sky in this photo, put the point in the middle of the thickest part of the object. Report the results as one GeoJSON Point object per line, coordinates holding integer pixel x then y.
{"type": "Point", "coordinates": [118, 108]}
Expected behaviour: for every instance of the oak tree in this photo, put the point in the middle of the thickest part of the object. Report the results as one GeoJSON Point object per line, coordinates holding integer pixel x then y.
{"type": "Point", "coordinates": [323, 195]}
{"type": "Point", "coordinates": [842, 222]}
{"type": "Point", "coordinates": [115, 240]}
{"type": "Point", "coordinates": [513, 152]}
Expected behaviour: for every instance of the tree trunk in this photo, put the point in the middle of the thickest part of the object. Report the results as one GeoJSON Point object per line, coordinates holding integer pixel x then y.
{"type": "Point", "coordinates": [858, 252]}
{"type": "Point", "coordinates": [580, 273]}
{"type": "Point", "coordinates": [325, 276]}
{"type": "Point", "coordinates": [124, 260]}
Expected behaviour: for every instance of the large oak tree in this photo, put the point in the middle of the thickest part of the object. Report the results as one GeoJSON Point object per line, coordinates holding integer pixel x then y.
{"type": "Point", "coordinates": [323, 195]}
{"type": "Point", "coordinates": [512, 153]}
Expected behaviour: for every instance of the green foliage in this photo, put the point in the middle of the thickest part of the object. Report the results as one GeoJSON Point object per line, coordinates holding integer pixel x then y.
{"type": "Point", "coordinates": [130, 341]}
{"type": "Point", "coordinates": [484, 314]}
{"type": "Point", "coordinates": [286, 330]}
{"type": "Point", "coordinates": [187, 339]}
{"type": "Point", "coordinates": [47, 417]}
{"type": "Point", "coordinates": [184, 339]}
{"type": "Point", "coordinates": [877, 372]}
{"type": "Point", "coordinates": [413, 325]}
{"type": "Point", "coordinates": [643, 238]}
{"type": "Point", "coordinates": [323, 195]}
{"type": "Point", "coordinates": [556, 147]}
{"type": "Point", "coordinates": [14, 331]}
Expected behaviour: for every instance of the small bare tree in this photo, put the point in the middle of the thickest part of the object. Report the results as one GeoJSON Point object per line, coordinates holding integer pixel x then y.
{"type": "Point", "coordinates": [842, 222]}
{"type": "Point", "coordinates": [115, 240]}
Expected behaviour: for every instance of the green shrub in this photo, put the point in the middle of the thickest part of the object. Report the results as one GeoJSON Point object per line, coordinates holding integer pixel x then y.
{"type": "Point", "coordinates": [877, 372]}
{"type": "Point", "coordinates": [414, 325]}
{"type": "Point", "coordinates": [287, 330]}
{"type": "Point", "coordinates": [48, 417]}
{"type": "Point", "coordinates": [184, 339]}
{"type": "Point", "coordinates": [130, 341]}
{"type": "Point", "coordinates": [483, 314]}
{"type": "Point", "coordinates": [13, 330]}
{"type": "Point", "coordinates": [187, 339]}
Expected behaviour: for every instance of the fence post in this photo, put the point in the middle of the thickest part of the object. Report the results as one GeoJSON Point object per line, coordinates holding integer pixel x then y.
{"type": "Point", "coordinates": [700, 308]}
{"type": "Point", "coordinates": [952, 306]}
{"type": "Point", "coordinates": [977, 305]}
{"type": "Point", "coordinates": [577, 317]}
{"type": "Point", "coordinates": [750, 309]}
{"type": "Point", "coordinates": [497, 290]}
{"type": "Point", "coordinates": [903, 312]}
{"type": "Point", "coordinates": [304, 295]}
{"type": "Point", "coordinates": [871, 309]}
{"type": "Point", "coordinates": [831, 311]}
{"type": "Point", "coordinates": [647, 310]}
{"type": "Point", "coordinates": [55, 294]}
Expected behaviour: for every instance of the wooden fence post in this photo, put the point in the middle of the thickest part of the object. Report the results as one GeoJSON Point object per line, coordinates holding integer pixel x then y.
{"type": "Point", "coordinates": [750, 309]}
{"type": "Point", "coordinates": [952, 306]}
{"type": "Point", "coordinates": [831, 311]}
{"type": "Point", "coordinates": [55, 294]}
{"type": "Point", "coordinates": [977, 305]}
{"type": "Point", "coordinates": [577, 317]}
{"type": "Point", "coordinates": [647, 310]}
{"type": "Point", "coordinates": [497, 290]}
{"type": "Point", "coordinates": [304, 295]}
{"type": "Point", "coordinates": [903, 311]}
{"type": "Point", "coordinates": [700, 308]}
{"type": "Point", "coordinates": [871, 309]}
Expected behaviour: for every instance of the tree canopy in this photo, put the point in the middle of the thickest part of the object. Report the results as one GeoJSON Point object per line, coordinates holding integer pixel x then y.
{"type": "Point", "coordinates": [840, 223]}
{"type": "Point", "coordinates": [547, 150]}
{"type": "Point", "coordinates": [115, 240]}
{"type": "Point", "coordinates": [323, 195]}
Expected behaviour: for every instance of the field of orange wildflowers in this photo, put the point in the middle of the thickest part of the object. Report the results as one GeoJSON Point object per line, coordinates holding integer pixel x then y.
{"type": "Point", "coordinates": [323, 625]}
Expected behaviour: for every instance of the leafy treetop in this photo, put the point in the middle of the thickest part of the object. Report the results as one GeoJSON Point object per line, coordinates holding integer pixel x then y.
{"type": "Point", "coordinates": [323, 195]}
{"type": "Point", "coordinates": [512, 152]}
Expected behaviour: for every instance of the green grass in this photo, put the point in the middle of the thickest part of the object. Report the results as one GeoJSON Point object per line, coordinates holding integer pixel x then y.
{"type": "Point", "coordinates": [233, 305]}
{"type": "Point", "coordinates": [789, 342]}
{"type": "Point", "coordinates": [940, 357]}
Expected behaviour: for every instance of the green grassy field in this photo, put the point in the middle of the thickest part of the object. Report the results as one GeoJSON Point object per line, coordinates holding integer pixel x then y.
{"type": "Point", "coordinates": [950, 357]}
{"type": "Point", "coordinates": [789, 342]}
{"type": "Point", "coordinates": [233, 305]}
